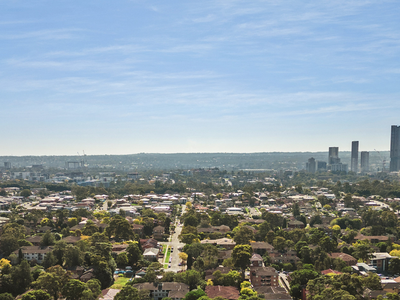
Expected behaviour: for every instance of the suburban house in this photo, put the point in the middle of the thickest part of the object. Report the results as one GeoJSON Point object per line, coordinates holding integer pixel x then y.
{"type": "Point", "coordinates": [226, 292]}
{"type": "Point", "coordinates": [261, 247]}
{"type": "Point", "coordinates": [151, 254]}
{"type": "Point", "coordinates": [348, 259]}
{"type": "Point", "coordinates": [158, 233]}
{"type": "Point", "coordinates": [158, 291]}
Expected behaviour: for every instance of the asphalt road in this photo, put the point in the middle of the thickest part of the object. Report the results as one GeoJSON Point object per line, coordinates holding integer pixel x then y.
{"type": "Point", "coordinates": [176, 244]}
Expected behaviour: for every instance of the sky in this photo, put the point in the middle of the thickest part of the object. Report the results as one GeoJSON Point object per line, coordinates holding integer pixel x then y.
{"type": "Point", "coordinates": [124, 77]}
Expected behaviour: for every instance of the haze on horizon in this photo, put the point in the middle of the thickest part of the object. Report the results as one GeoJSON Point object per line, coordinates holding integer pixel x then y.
{"type": "Point", "coordinates": [188, 76]}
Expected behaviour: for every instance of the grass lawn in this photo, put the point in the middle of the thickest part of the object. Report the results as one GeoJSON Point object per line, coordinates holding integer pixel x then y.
{"type": "Point", "coordinates": [168, 255]}
{"type": "Point", "coordinates": [164, 248]}
{"type": "Point", "coordinates": [119, 283]}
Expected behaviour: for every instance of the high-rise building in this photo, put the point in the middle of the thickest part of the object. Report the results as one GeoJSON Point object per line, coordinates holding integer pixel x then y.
{"type": "Point", "coordinates": [364, 161]}
{"type": "Point", "coordinates": [333, 155]}
{"type": "Point", "coordinates": [395, 149]}
{"type": "Point", "coordinates": [354, 156]}
{"type": "Point", "coordinates": [321, 166]}
{"type": "Point", "coordinates": [311, 165]}
{"type": "Point", "coordinates": [7, 165]}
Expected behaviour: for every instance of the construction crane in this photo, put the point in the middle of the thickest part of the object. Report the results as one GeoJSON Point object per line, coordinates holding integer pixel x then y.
{"type": "Point", "coordinates": [383, 160]}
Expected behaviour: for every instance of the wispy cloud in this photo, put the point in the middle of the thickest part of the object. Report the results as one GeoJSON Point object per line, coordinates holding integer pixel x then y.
{"type": "Point", "coordinates": [56, 34]}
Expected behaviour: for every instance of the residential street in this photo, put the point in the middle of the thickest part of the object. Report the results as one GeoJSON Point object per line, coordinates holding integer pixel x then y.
{"type": "Point", "coordinates": [176, 244]}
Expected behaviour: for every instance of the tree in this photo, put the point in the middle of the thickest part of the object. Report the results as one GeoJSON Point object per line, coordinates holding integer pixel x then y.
{"type": "Point", "coordinates": [74, 289]}
{"type": "Point", "coordinates": [94, 286]}
{"type": "Point", "coordinates": [191, 277]}
{"type": "Point", "coordinates": [373, 282]}
{"type": "Point", "coordinates": [195, 294]}
{"type": "Point", "coordinates": [90, 228]}
{"type": "Point", "coordinates": [25, 193]}
{"type": "Point", "coordinates": [296, 210]}
{"type": "Point", "coordinates": [36, 295]}
{"type": "Point", "coordinates": [183, 256]}
{"type": "Point", "coordinates": [279, 243]}
{"type": "Point", "coordinates": [122, 260]}
{"type": "Point", "coordinates": [52, 281]}
{"type": "Point", "coordinates": [394, 265]}
{"type": "Point", "coordinates": [241, 255]}
{"type": "Point", "coordinates": [127, 293]}
{"type": "Point", "coordinates": [4, 262]}
{"type": "Point", "coordinates": [49, 260]}
{"type": "Point", "coordinates": [48, 239]}
{"type": "Point", "coordinates": [243, 236]}
{"type": "Point", "coordinates": [6, 296]}
{"type": "Point", "coordinates": [72, 256]}
{"type": "Point", "coordinates": [21, 277]}
{"type": "Point", "coordinates": [120, 229]}
{"type": "Point", "coordinates": [134, 254]}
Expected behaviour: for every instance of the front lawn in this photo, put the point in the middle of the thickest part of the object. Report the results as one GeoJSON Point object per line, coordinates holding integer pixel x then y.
{"type": "Point", "coordinates": [119, 283]}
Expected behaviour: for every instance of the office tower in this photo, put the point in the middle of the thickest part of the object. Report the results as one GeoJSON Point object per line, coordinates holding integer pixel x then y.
{"type": "Point", "coordinates": [7, 165]}
{"type": "Point", "coordinates": [354, 156]}
{"type": "Point", "coordinates": [321, 166]}
{"type": "Point", "coordinates": [311, 165]}
{"type": "Point", "coordinates": [395, 149]}
{"type": "Point", "coordinates": [333, 155]}
{"type": "Point", "coordinates": [364, 161]}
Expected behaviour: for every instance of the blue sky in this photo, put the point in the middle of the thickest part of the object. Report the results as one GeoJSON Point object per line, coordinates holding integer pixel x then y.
{"type": "Point", "coordinates": [197, 76]}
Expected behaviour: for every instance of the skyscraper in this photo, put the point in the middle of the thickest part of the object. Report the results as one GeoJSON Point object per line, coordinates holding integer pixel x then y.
{"type": "Point", "coordinates": [333, 155]}
{"type": "Point", "coordinates": [354, 156]}
{"type": "Point", "coordinates": [311, 165]}
{"type": "Point", "coordinates": [395, 149]}
{"type": "Point", "coordinates": [364, 161]}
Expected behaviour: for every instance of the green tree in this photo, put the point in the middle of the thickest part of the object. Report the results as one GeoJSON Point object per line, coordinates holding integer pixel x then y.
{"type": "Point", "coordinates": [25, 193]}
{"type": "Point", "coordinates": [36, 295]}
{"type": "Point", "coordinates": [21, 277]}
{"type": "Point", "coordinates": [243, 236]}
{"type": "Point", "coordinates": [195, 294]}
{"type": "Point", "coordinates": [6, 296]}
{"type": "Point", "coordinates": [241, 255]}
{"type": "Point", "coordinates": [296, 210]}
{"type": "Point", "coordinates": [52, 281]}
{"type": "Point", "coordinates": [73, 290]}
{"type": "Point", "coordinates": [72, 256]}
{"type": "Point", "coordinates": [191, 277]}
{"type": "Point", "coordinates": [127, 293]}
{"type": "Point", "coordinates": [48, 239]}
{"type": "Point", "coordinates": [120, 229]}
{"type": "Point", "coordinates": [134, 254]}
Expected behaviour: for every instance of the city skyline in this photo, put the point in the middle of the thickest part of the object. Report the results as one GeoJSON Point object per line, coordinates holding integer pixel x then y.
{"type": "Point", "coordinates": [216, 76]}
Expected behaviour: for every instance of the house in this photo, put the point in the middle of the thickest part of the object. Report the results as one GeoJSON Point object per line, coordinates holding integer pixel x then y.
{"type": "Point", "coordinates": [295, 224]}
{"type": "Point", "coordinates": [226, 243]}
{"type": "Point", "coordinates": [108, 294]}
{"type": "Point", "coordinates": [348, 259]}
{"type": "Point", "coordinates": [151, 254]}
{"type": "Point", "coordinates": [158, 291]}
{"type": "Point", "coordinates": [261, 247]}
{"type": "Point", "coordinates": [158, 233]}
{"type": "Point", "coordinates": [373, 239]}
{"type": "Point", "coordinates": [273, 293]}
{"type": "Point", "coordinates": [138, 229]}
{"type": "Point", "coordinates": [71, 239]}
{"type": "Point", "coordinates": [264, 276]}
{"type": "Point", "coordinates": [35, 240]}
{"type": "Point", "coordinates": [287, 257]}
{"type": "Point", "coordinates": [226, 292]}
{"type": "Point", "coordinates": [256, 260]}
{"type": "Point", "coordinates": [148, 243]}
{"type": "Point", "coordinates": [34, 252]}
